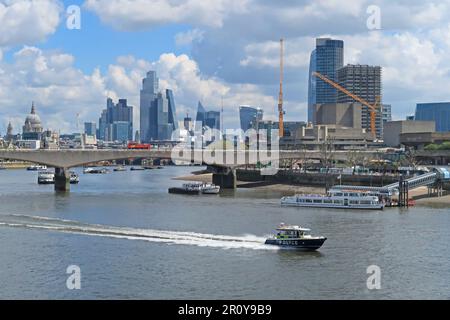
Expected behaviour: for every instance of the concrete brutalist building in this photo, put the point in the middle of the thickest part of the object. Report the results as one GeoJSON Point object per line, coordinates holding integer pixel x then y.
{"type": "Point", "coordinates": [393, 130]}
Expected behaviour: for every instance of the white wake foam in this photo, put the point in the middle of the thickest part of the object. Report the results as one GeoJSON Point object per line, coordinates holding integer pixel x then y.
{"type": "Point", "coordinates": [170, 237]}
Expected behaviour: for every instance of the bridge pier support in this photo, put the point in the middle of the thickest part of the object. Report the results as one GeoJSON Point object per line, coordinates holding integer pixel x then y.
{"type": "Point", "coordinates": [223, 177]}
{"type": "Point", "coordinates": [225, 180]}
{"type": "Point", "coordinates": [62, 180]}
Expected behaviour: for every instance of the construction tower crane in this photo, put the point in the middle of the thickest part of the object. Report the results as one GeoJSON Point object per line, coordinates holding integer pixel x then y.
{"type": "Point", "coordinates": [280, 96]}
{"type": "Point", "coordinates": [372, 108]}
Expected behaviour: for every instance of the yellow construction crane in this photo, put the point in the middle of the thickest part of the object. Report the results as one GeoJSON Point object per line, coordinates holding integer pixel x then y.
{"type": "Point", "coordinates": [280, 96]}
{"type": "Point", "coordinates": [372, 108]}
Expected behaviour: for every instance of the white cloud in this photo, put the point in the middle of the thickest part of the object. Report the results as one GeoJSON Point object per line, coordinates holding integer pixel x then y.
{"type": "Point", "coordinates": [49, 78]}
{"type": "Point", "coordinates": [27, 21]}
{"type": "Point", "coordinates": [61, 91]}
{"type": "Point", "coordinates": [189, 37]}
{"type": "Point", "coordinates": [144, 14]}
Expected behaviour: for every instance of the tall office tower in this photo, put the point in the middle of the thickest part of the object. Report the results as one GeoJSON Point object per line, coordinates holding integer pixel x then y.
{"type": "Point", "coordinates": [120, 113]}
{"type": "Point", "coordinates": [250, 117]}
{"type": "Point", "coordinates": [90, 128]}
{"type": "Point", "coordinates": [212, 119]}
{"type": "Point", "coordinates": [365, 82]}
{"type": "Point", "coordinates": [158, 112]}
{"type": "Point", "coordinates": [439, 112]}
{"type": "Point", "coordinates": [172, 116]}
{"type": "Point", "coordinates": [326, 59]}
{"type": "Point", "coordinates": [120, 131]}
{"type": "Point", "coordinates": [102, 124]}
{"type": "Point", "coordinates": [312, 86]}
{"type": "Point", "coordinates": [148, 94]}
{"type": "Point", "coordinates": [205, 118]}
{"type": "Point", "coordinates": [200, 117]}
{"type": "Point", "coordinates": [387, 113]}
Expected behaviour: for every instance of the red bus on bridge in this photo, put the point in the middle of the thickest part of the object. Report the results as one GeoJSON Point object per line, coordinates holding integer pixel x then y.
{"type": "Point", "coordinates": [139, 146]}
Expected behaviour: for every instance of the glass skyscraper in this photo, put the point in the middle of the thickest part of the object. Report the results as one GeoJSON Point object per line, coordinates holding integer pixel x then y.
{"type": "Point", "coordinates": [158, 112]}
{"type": "Point", "coordinates": [205, 118]}
{"type": "Point", "coordinates": [120, 112]}
{"type": "Point", "coordinates": [249, 117]}
{"type": "Point", "coordinates": [439, 112]}
{"type": "Point", "coordinates": [326, 59]}
{"type": "Point", "coordinates": [90, 128]}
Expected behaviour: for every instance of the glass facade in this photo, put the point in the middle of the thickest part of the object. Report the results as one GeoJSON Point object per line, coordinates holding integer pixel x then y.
{"type": "Point", "coordinates": [212, 119]}
{"type": "Point", "coordinates": [438, 112]}
{"type": "Point", "coordinates": [205, 118]}
{"type": "Point", "coordinates": [158, 117]}
{"type": "Point", "coordinates": [311, 86]}
{"type": "Point", "coordinates": [250, 117]}
{"type": "Point", "coordinates": [120, 131]}
{"type": "Point", "coordinates": [326, 59]}
{"type": "Point", "coordinates": [120, 112]}
{"type": "Point", "coordinates": [90, 128]}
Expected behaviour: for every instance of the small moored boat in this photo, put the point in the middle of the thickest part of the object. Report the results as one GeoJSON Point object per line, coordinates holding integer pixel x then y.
{"type": "Point", "coordinates": [74, 179]}
{"type": "Point", "coordinates": [295, 237]}
{"type": "Point", "coordinates": [95, 170]}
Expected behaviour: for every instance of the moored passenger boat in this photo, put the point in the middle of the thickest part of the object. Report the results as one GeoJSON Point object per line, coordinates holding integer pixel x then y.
{"type": "Point", "coordinates": [196, 188]}
{"type": "Point", "coordinates": [335, 199]}
{"type": "Point", "coordinates": [46, 177]}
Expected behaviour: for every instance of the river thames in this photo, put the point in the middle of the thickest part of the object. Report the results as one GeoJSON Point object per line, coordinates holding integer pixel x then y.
{"type": "Point", "coordinates": [133, 240]}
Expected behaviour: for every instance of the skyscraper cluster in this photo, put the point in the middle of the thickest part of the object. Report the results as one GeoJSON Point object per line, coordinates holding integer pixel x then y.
{"type": "Point", "coordinates": [157, 111]}
{"type": "Point", "coordinates": [115, 122]}
{"type": "Point", "coordinates": [362, 80]}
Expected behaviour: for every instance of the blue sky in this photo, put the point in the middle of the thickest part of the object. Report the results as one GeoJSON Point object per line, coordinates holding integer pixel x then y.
{"type": "Point", "coordinates": [206, 50]}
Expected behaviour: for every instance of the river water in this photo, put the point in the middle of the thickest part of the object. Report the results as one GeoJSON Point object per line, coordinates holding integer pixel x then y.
{"type": "Point", "coordinates": [131, 239]}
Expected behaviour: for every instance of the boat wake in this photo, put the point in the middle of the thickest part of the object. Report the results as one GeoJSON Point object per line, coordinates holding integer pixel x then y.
{"type": "Point", "coordinates": [169, 237]}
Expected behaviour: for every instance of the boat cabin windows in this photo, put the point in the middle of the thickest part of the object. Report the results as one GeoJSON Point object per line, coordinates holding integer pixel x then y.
{"type": "Point", "coordinates": [283, 234]}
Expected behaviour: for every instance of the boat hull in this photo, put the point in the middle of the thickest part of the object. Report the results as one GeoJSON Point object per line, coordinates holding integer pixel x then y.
{"type": "Point", "coordinates": [298, 244]}
{"type": "Point", "coordinates": [45, 181]}
{"type": "Point", "coordinates": [183, 191]}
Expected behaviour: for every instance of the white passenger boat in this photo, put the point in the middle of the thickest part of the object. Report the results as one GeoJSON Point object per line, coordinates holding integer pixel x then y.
{"type": "Point", "coordinates": [46, 177]}
{"type": "Point", "coordinates": [335, 199]}
{"type": "Point", "coordinates": [196, 188]}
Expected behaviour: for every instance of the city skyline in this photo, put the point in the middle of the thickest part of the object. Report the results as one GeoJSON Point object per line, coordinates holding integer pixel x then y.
{"type": "Point", "coordinates": [70, 78]}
